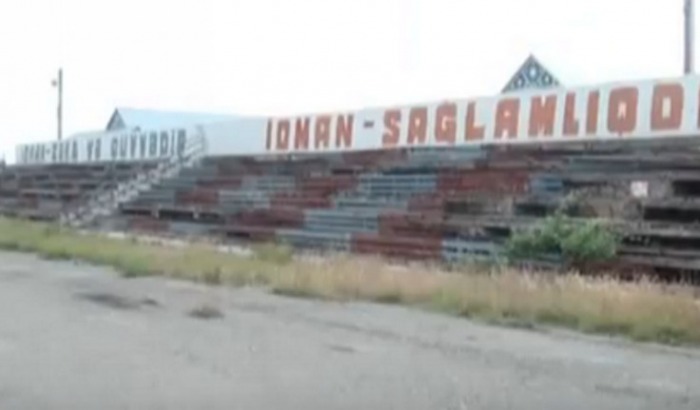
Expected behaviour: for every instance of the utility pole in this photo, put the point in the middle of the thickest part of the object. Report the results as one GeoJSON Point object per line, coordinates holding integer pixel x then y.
{"type": "Point", "coordinates": [58, 83]}
{"type": "Point", "coordinates": [689, 37]}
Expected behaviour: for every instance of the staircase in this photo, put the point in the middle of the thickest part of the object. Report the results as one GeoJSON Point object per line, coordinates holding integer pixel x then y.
{"type": "Point", "coordinates": [105, 201]}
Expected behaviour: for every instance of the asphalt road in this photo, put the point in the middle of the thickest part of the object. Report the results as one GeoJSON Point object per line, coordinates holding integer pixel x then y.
{"type": "Point", "coordinates": [80, 337]}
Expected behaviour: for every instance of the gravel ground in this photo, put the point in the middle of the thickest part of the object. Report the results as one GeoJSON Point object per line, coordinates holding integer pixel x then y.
{"type": "Point", "coordinates": [79, 337]}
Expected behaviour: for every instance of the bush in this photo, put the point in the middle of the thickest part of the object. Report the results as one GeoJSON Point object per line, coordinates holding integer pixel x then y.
{"type": "Point", "coordinates": [589, 241]}
{"type": "Point", "coordinates": [577, 242]}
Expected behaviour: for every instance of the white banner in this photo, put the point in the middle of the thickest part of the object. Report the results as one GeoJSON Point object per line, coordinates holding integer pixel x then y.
{"type": "Point", "coordinates": [107, 147]}
{"type": "Point", "coordinates": [643, 109]}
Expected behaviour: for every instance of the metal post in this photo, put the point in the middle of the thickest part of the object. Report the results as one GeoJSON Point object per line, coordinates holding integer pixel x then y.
{"type": "Point", "coordinates": [689, 37]}
{"type": "Point", "coordinates": [60, 103]}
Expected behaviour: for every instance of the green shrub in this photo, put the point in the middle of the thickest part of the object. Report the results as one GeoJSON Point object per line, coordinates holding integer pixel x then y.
{"type": "Point", "coordinates": [577, 242]}
{"type": "Point", "coordinates": [589, 242]}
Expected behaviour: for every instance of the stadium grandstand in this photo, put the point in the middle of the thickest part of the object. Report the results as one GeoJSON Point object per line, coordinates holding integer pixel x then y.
{"type": "Point", "coordinates": [449, 180]}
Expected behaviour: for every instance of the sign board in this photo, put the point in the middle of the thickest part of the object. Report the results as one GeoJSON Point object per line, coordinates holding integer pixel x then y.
{"type": "Point", "coordinates": [106, 147]}
{"type": "Point", "coordinates": [639, 189]}
{"type": "Point", "coordinates": [647, 109]}
{"type": "Point", "coordinates": [632, 110]}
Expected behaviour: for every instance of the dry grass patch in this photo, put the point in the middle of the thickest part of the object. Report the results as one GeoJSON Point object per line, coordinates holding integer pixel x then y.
{"type": "Point", "coordinates": [641, 310]}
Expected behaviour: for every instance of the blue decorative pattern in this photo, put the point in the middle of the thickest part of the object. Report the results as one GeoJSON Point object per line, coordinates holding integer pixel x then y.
{"type": "Point", "coordinates": [531, 75]}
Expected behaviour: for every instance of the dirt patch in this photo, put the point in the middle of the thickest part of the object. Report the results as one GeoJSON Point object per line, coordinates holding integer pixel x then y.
{"type": "Point", "coordinates": [206, 312]}
{"type": "Point", "coordinates": [115, 301]}
{"type": "Point", "coordinates": [342, 349]}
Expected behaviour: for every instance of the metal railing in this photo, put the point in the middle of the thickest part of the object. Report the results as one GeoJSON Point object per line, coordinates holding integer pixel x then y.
{"type": "Point", "coordinates": [104, 201]}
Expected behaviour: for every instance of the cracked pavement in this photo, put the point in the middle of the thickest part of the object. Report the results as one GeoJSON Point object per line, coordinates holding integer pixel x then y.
{"type": "Point", "coordinates": [74, 336]}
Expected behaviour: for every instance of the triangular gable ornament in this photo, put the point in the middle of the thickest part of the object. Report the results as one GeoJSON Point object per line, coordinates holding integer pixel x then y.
{"type": "Point", "coordinates": [116, 122]}
{"type": "Point", "coordinates": [532, 74]}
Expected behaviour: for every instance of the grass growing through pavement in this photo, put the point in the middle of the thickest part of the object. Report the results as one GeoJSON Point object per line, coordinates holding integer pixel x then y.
{"type": "Point", "coordinates": [640, 310]}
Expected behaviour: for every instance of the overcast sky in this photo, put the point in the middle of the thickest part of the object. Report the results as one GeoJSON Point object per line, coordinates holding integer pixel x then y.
{"type": "Point", "coordinates": [297, 56]}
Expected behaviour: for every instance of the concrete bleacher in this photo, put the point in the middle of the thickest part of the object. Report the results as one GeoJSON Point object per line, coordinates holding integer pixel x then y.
{"type": "Point", "coordinates": [449, 204]}
{"type": "Point", "coordinates": [44, 192]}
{"type": "Point", "coordinates": [413, 204]}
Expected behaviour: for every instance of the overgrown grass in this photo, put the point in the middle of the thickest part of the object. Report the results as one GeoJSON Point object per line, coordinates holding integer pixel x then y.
{"type": "Point", "coordinates": [275, 253]}
{"type": "Point", "coordinates": [640, 310]}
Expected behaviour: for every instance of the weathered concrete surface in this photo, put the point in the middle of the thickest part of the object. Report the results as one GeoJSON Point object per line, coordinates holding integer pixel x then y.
{"type": "Point", "coordinates": [77, 337]}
